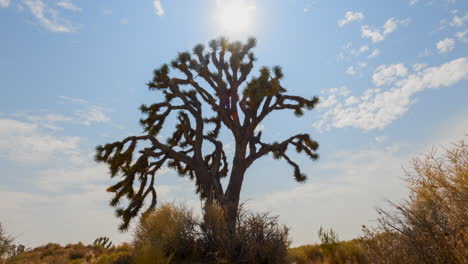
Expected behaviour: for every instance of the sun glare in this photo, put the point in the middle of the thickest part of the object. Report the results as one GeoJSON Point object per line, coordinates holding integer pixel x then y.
{"type": "Point", "coordinates": [235, 17]}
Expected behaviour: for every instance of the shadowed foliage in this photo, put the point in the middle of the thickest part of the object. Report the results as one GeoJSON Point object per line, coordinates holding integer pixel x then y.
{"type": "Point", "coordinates": [206, 91]}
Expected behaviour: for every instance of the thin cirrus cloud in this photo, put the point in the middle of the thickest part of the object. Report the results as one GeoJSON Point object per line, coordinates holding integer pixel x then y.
{"type": "Point", "coordinates": [374, 54]}
{"type": "Point", "coordinates": [350, 16]}
{"type": "Point", "coordinates": [377, 108]}
{"type": "Point", "coordinates": [378, 35]}
{"type": "Point", "coordinates": [49, 17]}
{"type": "Point", "coordinates": [68, 5]}
{"type": "Point", "coordinates": [26, 142]}
{"type": "Point", "coordinates": [158, 7]}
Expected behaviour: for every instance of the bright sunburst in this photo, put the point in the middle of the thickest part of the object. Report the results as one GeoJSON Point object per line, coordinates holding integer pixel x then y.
{"type": "Point", "coordinates": [235, 16]}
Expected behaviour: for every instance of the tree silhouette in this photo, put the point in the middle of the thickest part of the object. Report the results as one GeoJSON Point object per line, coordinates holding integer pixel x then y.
{"type": "Point", "coordinates": [205, 98]}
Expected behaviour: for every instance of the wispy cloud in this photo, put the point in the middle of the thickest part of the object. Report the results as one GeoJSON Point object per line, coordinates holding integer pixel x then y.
{"type": "Point", "coordinates": [26, 142]}
{"type": "Point", "coordinates": [378, 35]}
{"type": "Point", "coordinates": [374, 54]}
{"type": "Point", "coordinates": [49, 17]}
{"type": "Point", "coordinates": [4, 3]}
{"type": "Point", "coordinates": [445, 45]}
{"type": "Point", "coordinates": [67, 4]}
{"type": "Point", "coordinates": [378, 108]}
{"type": "Point", "coordinates": [158, 7]}
{"type": "Point", "coordinates": [462, 36]}
{"type": "Point", "coordinates": [418, 66]}
{"type": "Point", "coordinates": [72, 99]}
{"type": "Point", "coordinates": [350, 16]}
{"type": "Point", "coordinates": [351, 70]}
{"type": "Point", "coordinates": [93, 114]}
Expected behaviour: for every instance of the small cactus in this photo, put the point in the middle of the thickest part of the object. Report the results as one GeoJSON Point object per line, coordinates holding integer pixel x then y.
{"type": "Point", "coordinates": [103, 242]}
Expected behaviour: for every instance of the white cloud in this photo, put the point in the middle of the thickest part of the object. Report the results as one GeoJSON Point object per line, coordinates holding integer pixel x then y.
{"type": "Point", "coordinates": [374, 54]}
{"type": "Point", "coordinates": [390, 26]}
{"type": "Point", "coordinates": [49, 17]}
{"type": "Point", "coordinates": [54, 215]}
{"type": "Point", "coordinates": [373, 34]}
{"type": "Point", "coordinates": [351, 100]}
{"type": "Point", "coordinates": [377, 109]}
{"type": "Point", "coordinates": [388, 74]}
{"type": "Point", "coordinates": [86, 115]}
{"type": "Point", "coordinates": [418, 66]}
{"type": "Point", "coordinates": [331, 99]}
{"type": "Point", "coordinates": [350, 16]}
{"type": "Point", "coordinates": [76, 177]}
{"type": "Point", "coordinates": [354, 52]}
{"type": "Point", "coordinates": [158, 7]}
{"type": "Point", "coordinates": [72, 99]}
{"type": "Point", "coordinates": [413, 2]}
{"type": "Point", "coordinates": [462, 36]}
{"type": "Point", "coordinates": [459, 21]}
{"type": "Point", "coordinates": [380, 139]}
{"type": "Point", "coordinates": [93, 114]}
{"type": "Point", "coordinates": [351, 70]}
{"type": "Point", "coordinates": [25, 142]}
{"type": "Point", "coordinates": [343, 91]}
{"type": "Point", "coordinates": [363, 49]}
{"type": "Point", "coordinates": [4, 3]}
{"type": "Point", "coordinates": [445, 45]}
{"type": "Point", "coordinates": [67, 4]}
{"type": "Point", "coordinates": [378, 35]}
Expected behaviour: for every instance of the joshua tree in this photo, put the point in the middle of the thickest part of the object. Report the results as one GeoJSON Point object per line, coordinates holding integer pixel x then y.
{"type": "Point", "coordinates": [205, 98]}
{"type": "Point", "coordinates": [103, 242]}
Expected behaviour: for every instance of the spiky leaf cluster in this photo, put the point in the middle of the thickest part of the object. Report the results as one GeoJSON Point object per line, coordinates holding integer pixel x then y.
{"type": "Point", "coordinates": [102, 242]}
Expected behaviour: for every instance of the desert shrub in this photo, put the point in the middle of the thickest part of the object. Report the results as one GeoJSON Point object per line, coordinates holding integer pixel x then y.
{"type": "Point", "coordinates": [329, 239]}
{"type": "Point", "coordinates": [77, 253]}
{"type": "Point", "coordinates": [6, 243]}
{"type": "Point", "coordinates": [431, 226]}
{"type": "Point", "coordinates": [329, 251]}
{"type": "Point", "coordinates": [116, 258]}
{"type": "Point", "coordinates": [168, 230]}
{"type": "Point", "coordinates": [172, 234]}
{"type": "Point", "coordinates": [305, 254]}
{"type": "Point", "coordinates": [153, 254]}
{"type": "Point", "coordinates": [257, 238]}
{"type": "Point", "coordinates": [49, 249]}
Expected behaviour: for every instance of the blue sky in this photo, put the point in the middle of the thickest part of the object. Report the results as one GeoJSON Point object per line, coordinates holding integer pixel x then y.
{"type": "Point", "coordinates": [392, 76]}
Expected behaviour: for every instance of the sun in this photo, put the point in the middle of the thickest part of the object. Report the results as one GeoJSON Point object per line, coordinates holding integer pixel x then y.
{"type": "Point", "coordinates": [235, 17]}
